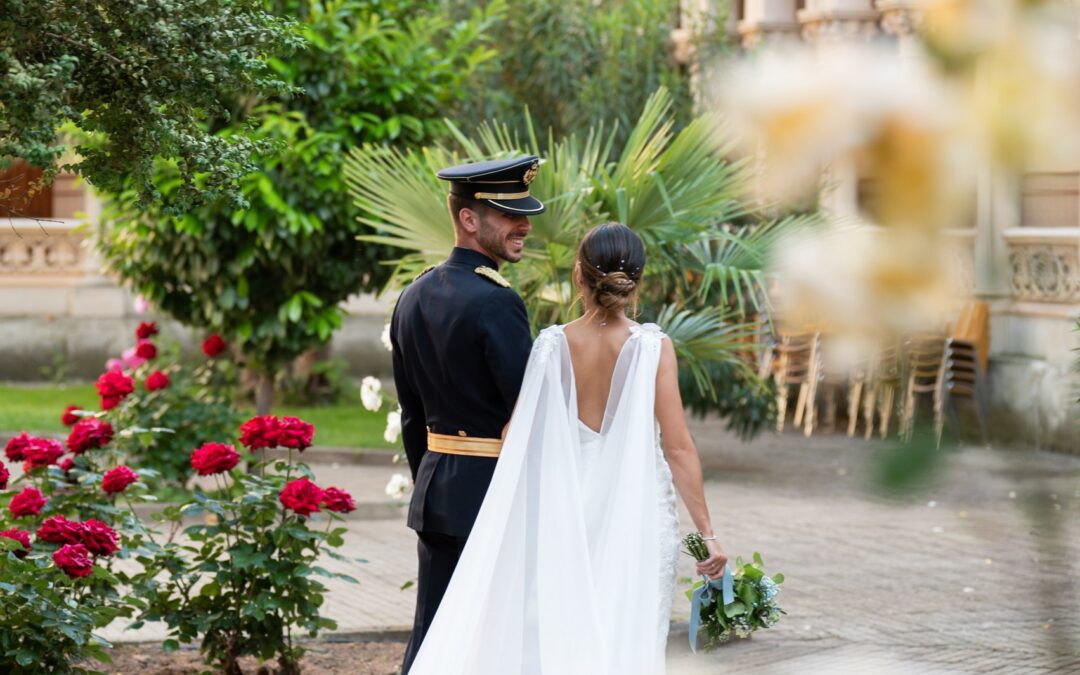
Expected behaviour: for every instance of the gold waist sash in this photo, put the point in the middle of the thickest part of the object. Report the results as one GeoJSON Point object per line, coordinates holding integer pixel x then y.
{"type": "Point", "coordinates": [464, 445]}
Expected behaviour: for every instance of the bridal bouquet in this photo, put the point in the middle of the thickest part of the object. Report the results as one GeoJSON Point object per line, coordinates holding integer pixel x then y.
{"type": "Point", "coordinates": [734, 606]}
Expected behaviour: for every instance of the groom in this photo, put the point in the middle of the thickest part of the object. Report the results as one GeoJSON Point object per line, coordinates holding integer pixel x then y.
{"type": "Point", "coordinates": [461, 340]}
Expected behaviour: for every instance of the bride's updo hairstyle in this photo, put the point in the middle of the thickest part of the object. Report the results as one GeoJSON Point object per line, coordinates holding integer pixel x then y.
{"type": "Point", "coordinates": [612, 259]}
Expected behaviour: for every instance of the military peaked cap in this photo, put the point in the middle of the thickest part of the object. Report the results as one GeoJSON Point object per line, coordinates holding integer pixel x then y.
{"type": "Point", "coordinates": [502, 184]}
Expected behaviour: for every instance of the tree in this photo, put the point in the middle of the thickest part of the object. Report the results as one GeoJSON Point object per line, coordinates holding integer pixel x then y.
{"type": "Point", "coordinates": [704, 280]}
{"type": "Point", "coordinates": [136, 80]}
{"type": "Point", "coordinates": [273, 276]}
{"type": "Point", "coordinates": [576, 63]}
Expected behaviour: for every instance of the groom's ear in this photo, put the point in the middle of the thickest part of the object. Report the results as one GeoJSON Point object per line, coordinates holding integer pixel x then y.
{"type": "Point", "coordinates": [469, 220]}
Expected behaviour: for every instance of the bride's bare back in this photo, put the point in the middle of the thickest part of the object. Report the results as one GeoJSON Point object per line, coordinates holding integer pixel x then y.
{"type": "Point", "coordinates": [594, 352]}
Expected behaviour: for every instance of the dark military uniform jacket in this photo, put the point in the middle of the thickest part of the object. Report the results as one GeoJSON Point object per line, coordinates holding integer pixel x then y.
{"type": "Point", "coordinates": [460, 343]}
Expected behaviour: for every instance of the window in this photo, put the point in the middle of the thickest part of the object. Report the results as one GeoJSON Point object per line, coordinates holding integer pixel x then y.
{"type": "Point", "coordinates": [1050, 200]}
{"type": "Point", "coordinates": [16, 181]}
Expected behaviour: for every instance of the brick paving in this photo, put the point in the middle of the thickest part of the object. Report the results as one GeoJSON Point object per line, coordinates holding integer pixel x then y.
{"type": "Point", "coordinates": [976, 572]}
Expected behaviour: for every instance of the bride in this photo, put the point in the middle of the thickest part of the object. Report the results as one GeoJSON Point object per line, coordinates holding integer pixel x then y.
{"type": "Point", "coordinates": [570, 567]}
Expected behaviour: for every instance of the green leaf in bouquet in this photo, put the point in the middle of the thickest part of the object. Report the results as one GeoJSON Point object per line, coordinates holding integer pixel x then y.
{"type": "Point", "coordinates": [757, 559]}
{"type": "Point", "coordinates": [778, 578]}
{"type": "Point", "coordinates": [736, 608]}
{"type": "Point", "coordinates": [752, 573]}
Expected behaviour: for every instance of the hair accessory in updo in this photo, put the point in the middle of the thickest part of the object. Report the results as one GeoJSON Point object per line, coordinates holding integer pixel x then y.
{"type": "Point", "coordinates": [612, 257]}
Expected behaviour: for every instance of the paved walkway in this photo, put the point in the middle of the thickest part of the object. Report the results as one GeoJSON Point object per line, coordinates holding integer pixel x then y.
{"type": "Point", "coordinates": [975, 573]}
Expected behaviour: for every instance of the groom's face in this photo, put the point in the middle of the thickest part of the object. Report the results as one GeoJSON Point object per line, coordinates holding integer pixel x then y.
{"type": "Point", "coordinates": [503, 235]}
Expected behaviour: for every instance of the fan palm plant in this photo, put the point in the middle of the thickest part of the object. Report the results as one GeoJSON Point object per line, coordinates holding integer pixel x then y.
{"type": "Point", "coordinates": [704, 282]}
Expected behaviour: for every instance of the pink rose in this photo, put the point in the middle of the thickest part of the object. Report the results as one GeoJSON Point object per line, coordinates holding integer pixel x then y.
{"type": "Point", "coordinates": [114, 364]}
{"type": "Point", "coordinates": [117, 479]}
{"type": "Point", "coordinates": [74, 559]}
{"type": "Point", "coordinates": [301, 496]}
{"type": "Point", "coordinates": [130, 360]}
{"type": "Point", "coordinates": [338, 500]}
{"type": "Point", "coordinates": [214, 458]}
{"type": "Point", "coordinates": [27, 503]}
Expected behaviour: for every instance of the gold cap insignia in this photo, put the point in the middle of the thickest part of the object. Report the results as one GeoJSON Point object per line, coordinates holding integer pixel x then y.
{"type": "Point", "coordinates": [492, 275]}
{"type": "Point", "coordinates": [530, 173]}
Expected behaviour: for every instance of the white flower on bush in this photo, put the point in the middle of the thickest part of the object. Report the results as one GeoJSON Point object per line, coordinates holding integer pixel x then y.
{"type": "Point", "coordinates": [385, 337]}
{"type": "Point", "coordinates": [393, 426]}
{"type": "Point", "coordinates": [371, 393]}
{"type": "Point", "coordinates": [399, 486]}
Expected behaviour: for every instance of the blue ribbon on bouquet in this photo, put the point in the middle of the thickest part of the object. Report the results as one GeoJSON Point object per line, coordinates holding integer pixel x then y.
{"type": "Point", "coordinates": [703, 596]}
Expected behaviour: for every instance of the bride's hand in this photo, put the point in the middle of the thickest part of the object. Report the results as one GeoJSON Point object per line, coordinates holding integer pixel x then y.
{"type": "Point", "coordinates": [713, 566]}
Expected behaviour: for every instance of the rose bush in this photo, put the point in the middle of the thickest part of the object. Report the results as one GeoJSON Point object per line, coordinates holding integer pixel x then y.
{"type": "Point", "coordinates": [176, 407]}
{"type": "Point", "coordinates": [245, 584]}
{"type": "Point", "coordinates": [59, 536]}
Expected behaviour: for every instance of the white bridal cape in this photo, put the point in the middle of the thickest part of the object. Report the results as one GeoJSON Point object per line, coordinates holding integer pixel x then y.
{"type": "Point", "coordinates": [570, 567]}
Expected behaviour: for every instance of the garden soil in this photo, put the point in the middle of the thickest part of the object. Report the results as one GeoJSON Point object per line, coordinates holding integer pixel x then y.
{"type": "Point", "coordinates": [322, 658]}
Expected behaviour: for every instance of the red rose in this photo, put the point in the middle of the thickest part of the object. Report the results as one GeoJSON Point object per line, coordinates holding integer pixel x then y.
{"type": "Point", "coordinates": [27, 503]}
{"type": "Point", "coordinates": [260, 432]}
{"type": "Point", "coordinates": [4, 476]}
{"type": "Point", "coordinates": [295, 433]}
{"type": "Point", "coordinates": [157, 380]}
{"type": "Point", "coordinates": [74, 559]}
{"type": "Point", "coordinates": [146, 330]}
{"type": "Point", "coordinates": [98, 538]}
{"type": "Point", "coordinates": [89, 433]}
{"type": "Point", "coordinates": [214, 458]}
{"type": "Point", "coordinates": [145, 350]}
{"type": "Point", "coordinates": [21, 536]}
{"type": "Point", "coordinates": [41, 452]}
{"type": "Point", "coordinates": [113, 386]}
{"type": "Point", "coordinates": [301, 496]}
{"type": "Point", "coordinates": [68, 418]}
{"type": "Point", "coordinates": [117, 479]}
{"type": "Point", "coordinates": [213, 345]}
{"type": "Point", "coordinates": [15, 447]}
{"type": "Point", "coordinates": [338, 500]}
{"type": "Point", "coordinates": [66, 465]}
{"type": "Point", "coordinates": [60, 530]}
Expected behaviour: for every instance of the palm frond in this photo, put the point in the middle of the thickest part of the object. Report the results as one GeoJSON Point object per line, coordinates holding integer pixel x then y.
{"type": "Point", "coordinates": [709, 336]}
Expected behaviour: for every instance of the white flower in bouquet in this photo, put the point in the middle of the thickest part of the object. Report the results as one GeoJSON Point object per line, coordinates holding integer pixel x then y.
{"type": "Point", "coordinates": [371, 393]}
{"type": "Point", "coordinates": [393, 426]}
{"type": "Point", "coordinates": [385, 337]}
{"type": "Point", "coordinates": [399, 486]}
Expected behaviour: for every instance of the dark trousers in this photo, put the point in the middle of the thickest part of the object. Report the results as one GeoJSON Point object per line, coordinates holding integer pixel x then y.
{"type": "Point", "coordinates": [439, 555]}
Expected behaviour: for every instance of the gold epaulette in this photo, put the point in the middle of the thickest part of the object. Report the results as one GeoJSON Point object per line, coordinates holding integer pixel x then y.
{"type": "Point", "coordinates": [424, 271]}
{"type": "Point", "coordinates": [492, 275]}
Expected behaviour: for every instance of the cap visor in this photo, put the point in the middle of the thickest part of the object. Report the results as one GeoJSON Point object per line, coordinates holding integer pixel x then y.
{"type": "Point", "coordinates": [526, 206]}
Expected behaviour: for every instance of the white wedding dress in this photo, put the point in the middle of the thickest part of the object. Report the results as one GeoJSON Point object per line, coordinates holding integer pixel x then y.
{"type": "Point", "coordinates": [570, 567]}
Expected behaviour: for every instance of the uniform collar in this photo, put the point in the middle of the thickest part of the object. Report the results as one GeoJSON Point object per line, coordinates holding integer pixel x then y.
{"type": "Point", "coordinates": [471, 258]}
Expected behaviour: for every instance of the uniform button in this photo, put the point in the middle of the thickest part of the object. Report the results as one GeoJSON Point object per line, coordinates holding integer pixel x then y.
{"type": "Point", "coordinates": [461, 433]}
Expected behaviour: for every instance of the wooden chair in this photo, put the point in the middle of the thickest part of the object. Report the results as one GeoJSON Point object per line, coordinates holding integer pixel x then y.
{"type": "Point", "coordinates": [924, 360]}
{"type": "Point", "coordinates": [963, 376]}
{"type": "Point", "coordinates": [796, 362]}
{"type": "Point", "coordinates": [873, 387]}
